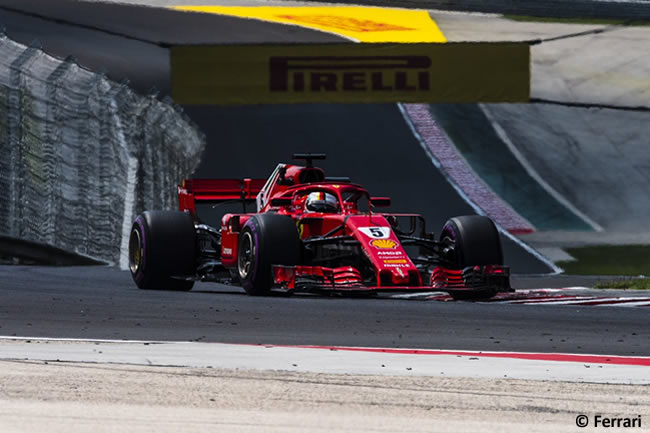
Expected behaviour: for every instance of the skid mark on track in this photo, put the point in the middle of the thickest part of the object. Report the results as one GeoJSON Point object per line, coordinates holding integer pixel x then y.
{"type": "Point", "coordinates": [561, 296]}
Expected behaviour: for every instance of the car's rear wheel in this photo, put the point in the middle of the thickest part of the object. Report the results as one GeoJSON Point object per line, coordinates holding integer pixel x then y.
{"type": "Point", "coordinates": [162, 250]}
{"type": "Point", "coordinates": [265, 240]}
{"type": "Point", "coordinates": [471, 240]}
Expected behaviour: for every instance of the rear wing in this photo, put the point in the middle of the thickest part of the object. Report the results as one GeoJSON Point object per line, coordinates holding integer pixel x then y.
{"type": "Point", "coordinates": [217, 191]}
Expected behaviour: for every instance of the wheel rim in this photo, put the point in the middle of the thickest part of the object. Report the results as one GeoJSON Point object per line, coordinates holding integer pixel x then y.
{"type": "Point", "coordinates": [135, 251]}
{"type": "Point", "coordinates": [450, 243]}
{"type": "Point", "coordinates": [245, 255]}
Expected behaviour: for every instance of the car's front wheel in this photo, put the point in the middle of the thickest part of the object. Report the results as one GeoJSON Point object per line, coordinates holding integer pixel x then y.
{"type": "Point", "coordinates": [471, 240]}
{"type": "Point", "coordinates": [265, 240]}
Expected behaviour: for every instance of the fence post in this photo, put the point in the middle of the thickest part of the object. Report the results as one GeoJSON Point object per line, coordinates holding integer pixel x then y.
{"type": "Point", "coordinates": [52, 155]}
{"type": "Point", "coordinates": [14, 138]}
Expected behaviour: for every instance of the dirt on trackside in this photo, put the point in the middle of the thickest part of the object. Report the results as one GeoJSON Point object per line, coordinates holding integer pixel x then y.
{"type": "Point", "coordinates": [71, 398]}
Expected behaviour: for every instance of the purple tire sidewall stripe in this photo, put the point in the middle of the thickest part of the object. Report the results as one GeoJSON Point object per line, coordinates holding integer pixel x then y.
{"type": "Point", "coordinates": [253, 227]}
{"type": "Point", "coordinates": [450, 228]}
{"type": "Point", "coordinates": [139, 275]}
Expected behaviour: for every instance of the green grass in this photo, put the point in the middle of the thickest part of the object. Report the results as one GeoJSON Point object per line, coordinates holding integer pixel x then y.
{"type": "Point", "coordinates": [632, 260]}
{"type": "Point", "coordinates": [589, 21]}
{"type": "Point", "coordinates": [636, 284]}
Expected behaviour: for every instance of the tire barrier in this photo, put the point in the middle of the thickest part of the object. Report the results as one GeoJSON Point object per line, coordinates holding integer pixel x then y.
{"type": "Point", "coordinates": [82, 155]}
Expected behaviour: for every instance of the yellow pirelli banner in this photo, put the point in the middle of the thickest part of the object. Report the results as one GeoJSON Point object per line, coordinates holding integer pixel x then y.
{"type": "Point", "coordinates": [351, 73]}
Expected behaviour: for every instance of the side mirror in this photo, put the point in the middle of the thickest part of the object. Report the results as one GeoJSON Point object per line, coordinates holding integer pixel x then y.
{"type": "Point", "coordinates": [379, 201]}
{"type": "Point", "coordinates": [281, 201]}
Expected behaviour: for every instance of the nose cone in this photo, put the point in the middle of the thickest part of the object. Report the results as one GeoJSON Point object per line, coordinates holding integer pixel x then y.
{"type": "Point", "coordinates": [399, 277]}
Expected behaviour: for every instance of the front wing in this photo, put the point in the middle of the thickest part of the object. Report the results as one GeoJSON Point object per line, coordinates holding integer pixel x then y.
{"type": "Point", "coordinates": [346, 279]}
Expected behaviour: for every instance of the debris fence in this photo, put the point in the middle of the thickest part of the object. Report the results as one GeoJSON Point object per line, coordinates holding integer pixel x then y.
{"type": "Point", "coordinates": [81, 155]}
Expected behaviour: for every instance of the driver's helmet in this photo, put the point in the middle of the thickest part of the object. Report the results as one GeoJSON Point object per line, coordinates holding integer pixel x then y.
{"type": "Point", "coordinates": [321, 202]}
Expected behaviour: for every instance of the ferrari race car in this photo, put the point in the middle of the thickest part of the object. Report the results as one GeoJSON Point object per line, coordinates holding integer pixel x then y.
{"type": "Point", "coordinates": [311, 233]}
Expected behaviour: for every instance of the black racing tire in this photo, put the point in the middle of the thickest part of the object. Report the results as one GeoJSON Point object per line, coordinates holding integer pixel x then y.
{"type": "Point", "coordinates": [162, 245]}
{"type": "Point", "coordinates": [475, 241]}
{"type": "Point", "coordinates": [265, 240]}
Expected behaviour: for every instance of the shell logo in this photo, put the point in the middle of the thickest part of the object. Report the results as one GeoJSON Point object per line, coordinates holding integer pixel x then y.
{"type": "Point", "coordinates": [384, 244]}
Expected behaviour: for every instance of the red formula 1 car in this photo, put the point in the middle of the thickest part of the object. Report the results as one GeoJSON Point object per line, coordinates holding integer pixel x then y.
{"type": "Point", "coordinates": [312, 233]}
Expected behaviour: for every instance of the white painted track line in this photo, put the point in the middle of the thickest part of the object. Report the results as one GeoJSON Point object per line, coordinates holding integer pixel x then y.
{"type": "Point", "coordinates": [316, 360]}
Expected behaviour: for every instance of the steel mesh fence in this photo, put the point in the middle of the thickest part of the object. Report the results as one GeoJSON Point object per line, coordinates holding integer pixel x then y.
{"type": "Point", "coordinates": [81, 154]}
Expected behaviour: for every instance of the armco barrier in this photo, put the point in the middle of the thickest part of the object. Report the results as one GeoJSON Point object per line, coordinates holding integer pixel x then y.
{"type": "Point", "coordinates": [81, 154]}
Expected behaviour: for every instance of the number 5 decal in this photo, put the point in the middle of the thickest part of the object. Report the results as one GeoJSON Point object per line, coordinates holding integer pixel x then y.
{"type": "Point", "coordinates": [376, 232]}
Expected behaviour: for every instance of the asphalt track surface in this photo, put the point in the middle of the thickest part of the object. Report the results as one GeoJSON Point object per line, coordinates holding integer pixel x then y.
{"type": "Point", "coordinates": [103, 303]}
{"type": "Point", "coordinates": [248, 141]}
